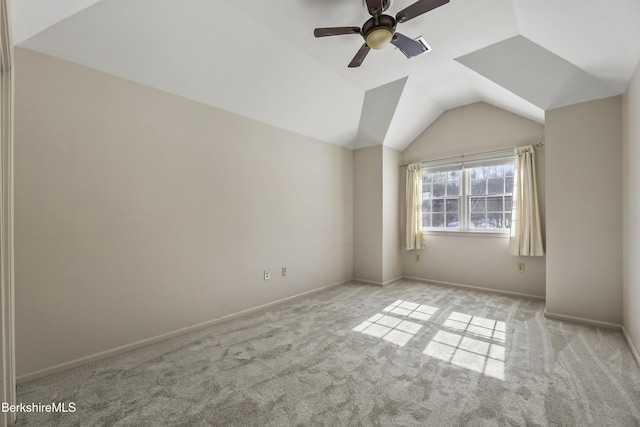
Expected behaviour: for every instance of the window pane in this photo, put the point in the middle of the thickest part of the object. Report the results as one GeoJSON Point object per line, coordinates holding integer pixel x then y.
{"type": "Point", "coordinates": [494, 204]}
{"type": "Point", "coordinates": [453, 188]}
{"type": "Point", "coordinates": [439, 177]}
{"type": "Point", "coordinates": [452, 220]}
{"type": "Point", "coordinates": [452, 205]}
{"type": "Point", "coordinates": [508, 170]}
{"type": "Point", "coordinates": [426, 206]}
{"type": "Point", "coordinates": [494, 220]}
{"type": "Point", "coordinates": [478, 204]}
{"type": "Point", "coordinates": [496, 171]}
{"type": "Point", "coordinates": [426, 178]}
{"type": "Point", "coordinates": [478, 186]}
{"type": "Point", "coordinates": [508, 184]}
{"type": "Point", "coordinates": [481, 173]}
{"type": "Point", "coordinates": [496, 185]}
{"type": "Point", "coordinates": [507, 203]}
{"type": "Point", "coordinates": [477, 221]}
{"type": "Point", "coordinates": [454, 176]}
{"type": "Point", "coordinates": [438, 205]}
{"type": "Point", "coordinates": [426, 220]}
{"type": "Point", "coordinates": [437, 220]}
{"type": "Point", "coordinates": [438, 190]}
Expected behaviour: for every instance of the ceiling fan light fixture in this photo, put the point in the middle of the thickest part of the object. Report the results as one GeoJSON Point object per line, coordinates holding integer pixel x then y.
{"type": "Point", "coordinates": [379, 37]}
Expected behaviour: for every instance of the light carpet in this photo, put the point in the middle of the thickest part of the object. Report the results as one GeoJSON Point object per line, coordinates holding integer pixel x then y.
{"type": "Point", "coordinates": [411, 354]}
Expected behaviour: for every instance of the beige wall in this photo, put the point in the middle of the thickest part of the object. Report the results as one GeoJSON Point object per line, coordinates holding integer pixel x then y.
{"type": "Point", "coordinates": [391, 249]}
{"type": "Point", "coordinates": [584, 218]}
{"type": "Point", "coordinates": [466, 259]}
{"type": "Point", "coordinates": [631, 210]}
{"type": "Point", "coordinates": [139, 212]}
{"type": "Point", "coordinates": [367, 223]}
{"type": "Point", "coordinates": [377, 254]}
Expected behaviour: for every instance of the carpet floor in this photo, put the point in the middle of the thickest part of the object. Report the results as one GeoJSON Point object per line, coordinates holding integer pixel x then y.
{"type": "Point", "coordinates": [411, 354]}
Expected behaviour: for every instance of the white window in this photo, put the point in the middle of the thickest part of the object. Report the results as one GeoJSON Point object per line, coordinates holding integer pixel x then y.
{"type": "Point", "coordinates": [473, 195]}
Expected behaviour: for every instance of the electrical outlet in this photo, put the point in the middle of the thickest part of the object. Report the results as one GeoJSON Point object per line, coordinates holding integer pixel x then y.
{"type": "Point", "coordinates": [284, 271]}
{"type": "Point", "coordinates": [520, 267]}
{"type": "Point", "coordinates": [267, 275]}
{"type": "Point", "coordinates": [417, 257]}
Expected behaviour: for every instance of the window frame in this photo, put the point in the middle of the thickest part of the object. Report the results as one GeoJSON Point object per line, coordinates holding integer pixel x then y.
{"type": "Point", "coordinates": [464, 166]}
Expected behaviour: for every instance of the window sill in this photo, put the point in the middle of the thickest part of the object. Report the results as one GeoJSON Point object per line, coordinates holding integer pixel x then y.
{"type": "Point", "coordinates": [491, 234]}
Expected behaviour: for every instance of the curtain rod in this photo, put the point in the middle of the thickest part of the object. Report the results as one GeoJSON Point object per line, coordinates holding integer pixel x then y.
{"type": "Point", "coordinates": [539, 144]}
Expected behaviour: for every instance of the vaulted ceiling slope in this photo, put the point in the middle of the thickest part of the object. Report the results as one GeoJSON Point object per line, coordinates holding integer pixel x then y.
{"type": "Point", "coordinates": [260, 59]}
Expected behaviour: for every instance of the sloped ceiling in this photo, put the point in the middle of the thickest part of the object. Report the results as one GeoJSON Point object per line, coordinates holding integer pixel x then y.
{"type": "Point", "coordinates": [261, 60]}
{"type": "Point", "coordinates": [537, 75]}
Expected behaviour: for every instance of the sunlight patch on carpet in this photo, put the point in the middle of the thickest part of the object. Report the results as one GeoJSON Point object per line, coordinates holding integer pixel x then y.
{"type": "Point", "coordinates": [481, 352]}
{"type": "Point", "coordinates": [393, 329]}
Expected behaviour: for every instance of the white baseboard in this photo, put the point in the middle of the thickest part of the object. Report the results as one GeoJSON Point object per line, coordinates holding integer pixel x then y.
{"type": "Point", "coordinates": [392, 281]}
{"type": "Point", "coordinates": [372, 282]}
{"type": "Point", "coordinates": [162, 337]}
{"type": "Point", "coordinates": [368, 282]}
{"type": "Point", "coordinates": [582, 320]}
{"type": "Point", "coordinates": [477, 288]}
{"type": "Point", "coordinates": [634, 350]}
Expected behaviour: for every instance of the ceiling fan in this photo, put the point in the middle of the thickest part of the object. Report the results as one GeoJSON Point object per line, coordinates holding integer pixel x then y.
{"type": "Point", "coordinates": [380, 29]}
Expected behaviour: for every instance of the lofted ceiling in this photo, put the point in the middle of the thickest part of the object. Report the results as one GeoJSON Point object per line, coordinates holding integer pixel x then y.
{"type": "Point", "coordinates": [260, 59]}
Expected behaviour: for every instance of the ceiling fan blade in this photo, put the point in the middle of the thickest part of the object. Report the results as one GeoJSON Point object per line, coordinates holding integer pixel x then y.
{"type": "Point", "coordinates": [418, 8]}
{"type": "Point", "coordinates": [362, 53]}
{"type": "Point", "coordinates": [408, 46]}
{"type": "Point", "coordinates": [376, 7]}
{"type": "Point", "coordinates": [335, 31]}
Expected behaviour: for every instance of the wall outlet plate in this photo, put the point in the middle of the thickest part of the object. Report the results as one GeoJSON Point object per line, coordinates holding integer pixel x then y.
{"type": "Point", "coordinates": [267, 275]}
{"type": "Point", "coordinates": [520, 267]}
{"type": "Point", "coordinates": [284, 271]}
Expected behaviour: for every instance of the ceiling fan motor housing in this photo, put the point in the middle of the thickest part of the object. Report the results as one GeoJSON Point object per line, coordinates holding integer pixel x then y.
{"type": "Point", "coordinates": [378, 31]}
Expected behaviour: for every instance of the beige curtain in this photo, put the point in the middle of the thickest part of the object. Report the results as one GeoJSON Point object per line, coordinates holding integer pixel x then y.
{"type": "Point", "coordinates": [414, 206]}
{"type": "Point", "coordinates": [525, 238]}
